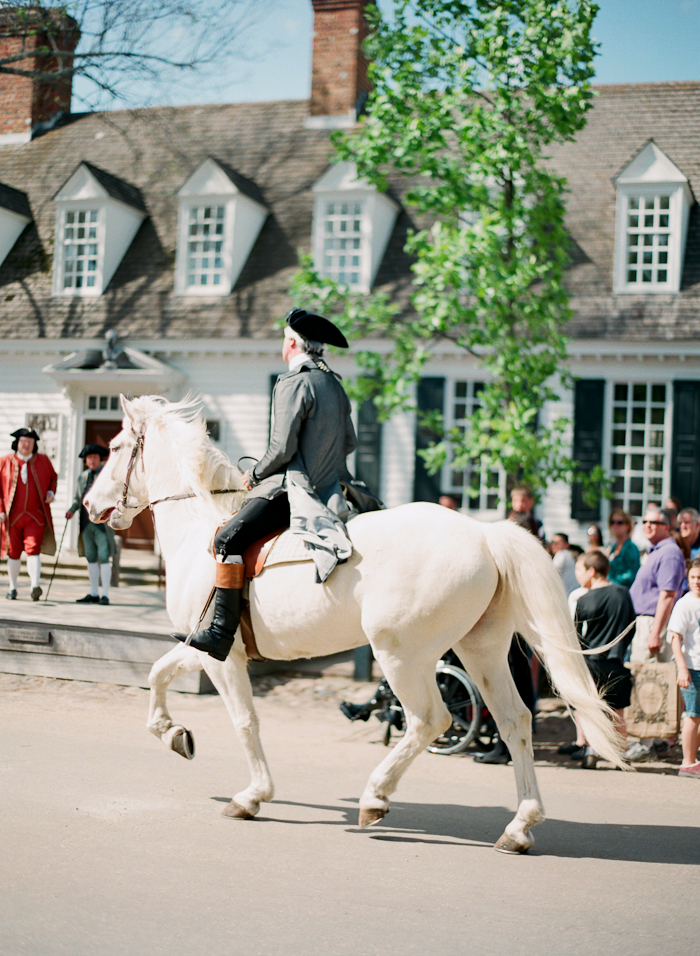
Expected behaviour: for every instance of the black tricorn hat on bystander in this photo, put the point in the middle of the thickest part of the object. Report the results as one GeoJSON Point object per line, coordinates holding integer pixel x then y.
{"type": "Point", "coordinates": [94, 450]}
{"type": "Point", "coordinates": [315, 327]}
{"type": "Point", "coordinates": [24, 433]}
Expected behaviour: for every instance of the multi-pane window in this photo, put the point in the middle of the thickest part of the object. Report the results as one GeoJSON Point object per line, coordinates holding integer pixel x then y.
{"type": "Point", "coordinates": [640, 442]}
{"type": "Point", "coordinates": [648, 238]}
{"type": "Point", "coordinates": [205, 242]}
{"type": "Point", "coordinates": [80, 249]}
{"type": "Point", "coordinates": [480, 489]}
{"type": "Point", "coordinates": [342, 242]}
{"type": "Point", "coordinates": [103, 403]}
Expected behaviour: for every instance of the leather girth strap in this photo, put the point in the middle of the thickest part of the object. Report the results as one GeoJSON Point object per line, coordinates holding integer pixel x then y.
{"type": "Point", "coordinates": [251, 647]}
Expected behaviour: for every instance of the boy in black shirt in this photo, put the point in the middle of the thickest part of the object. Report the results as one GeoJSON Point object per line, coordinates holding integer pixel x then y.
{"type": "Point", "coordinates": [601, 614]}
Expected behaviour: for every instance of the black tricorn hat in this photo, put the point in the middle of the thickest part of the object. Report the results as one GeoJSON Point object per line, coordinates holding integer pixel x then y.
{"type": "Point", "coordinates": [94, 450]}
{"type": "Point", "coordinates": [315, 327]}
{"type": "Point", "coordinates": [24, 433]}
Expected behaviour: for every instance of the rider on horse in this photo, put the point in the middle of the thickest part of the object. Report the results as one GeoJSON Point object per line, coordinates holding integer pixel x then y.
{"type": "Point", "coordinates": [311, 435]}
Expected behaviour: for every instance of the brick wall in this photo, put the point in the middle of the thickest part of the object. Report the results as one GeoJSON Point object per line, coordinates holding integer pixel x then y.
{"type": "Point", "coordinates": [339, 70]}
{"type": "Point", "coordinates": [26, 102]}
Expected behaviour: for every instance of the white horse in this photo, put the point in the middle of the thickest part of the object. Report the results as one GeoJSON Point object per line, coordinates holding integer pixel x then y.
{"type": "Point", "coordinates": [422, 579]}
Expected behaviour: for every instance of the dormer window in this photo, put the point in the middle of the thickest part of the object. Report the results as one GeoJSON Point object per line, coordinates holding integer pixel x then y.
{"type": "Point", "coordinates": [205, 246]}
{"type": "Point", "coordinates": [220, 217]}
{"type": "Point", "coordinates": [352, 226]}
{"type": "Point", "coordinates": [344, 247]}
{"type": "Point", "coordinates": [15, 216]}
{"type": "Point", "coordinates": [80, 249]}
{"type": "Point", "coordinates": [97, 218]}
{"type": "Point", "coordinates": [653, 203]}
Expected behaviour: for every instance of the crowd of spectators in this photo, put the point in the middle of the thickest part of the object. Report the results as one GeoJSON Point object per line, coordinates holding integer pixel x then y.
{"type": "Point", "coordinates": [649, 577]}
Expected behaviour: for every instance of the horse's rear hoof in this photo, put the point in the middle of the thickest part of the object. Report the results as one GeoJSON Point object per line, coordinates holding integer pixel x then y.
{"type": "Point", "coordinates": [508, 845]}
{"type": "Point", "coordinates": [183, 743]}
{"type": "Point", "coordinates": [236, 812]}
{"type": "Point", "coordinates": [369, 817]}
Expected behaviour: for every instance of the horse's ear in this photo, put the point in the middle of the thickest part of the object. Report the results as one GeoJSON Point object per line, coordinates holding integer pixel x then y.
{"type": "Point", "coordinates": [126, 406]}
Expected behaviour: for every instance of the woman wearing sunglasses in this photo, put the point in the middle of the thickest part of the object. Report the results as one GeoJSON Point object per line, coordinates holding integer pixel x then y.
{"type": "Point", "coordinates": [622, 552]}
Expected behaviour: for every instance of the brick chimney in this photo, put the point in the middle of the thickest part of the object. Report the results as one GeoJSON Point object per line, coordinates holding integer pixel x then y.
{"type": "Point", "coordinates": [41, 41]}
{"type": "Point", "coordinates": [339, 72]}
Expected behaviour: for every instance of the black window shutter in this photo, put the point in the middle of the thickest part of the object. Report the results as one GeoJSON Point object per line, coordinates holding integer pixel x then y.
{"type": "Point", "coordinates": [430, 398]}
{"type": "Point", "coordinates": [685, 452]}
{"type": "Point", "coordinates": [589, 399]}
{"type": "Point", "coordinates": [369, 446]}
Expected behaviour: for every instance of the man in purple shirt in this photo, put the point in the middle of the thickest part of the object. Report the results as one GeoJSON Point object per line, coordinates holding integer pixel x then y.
{"type": "Point", "coordinates": [654, 592]}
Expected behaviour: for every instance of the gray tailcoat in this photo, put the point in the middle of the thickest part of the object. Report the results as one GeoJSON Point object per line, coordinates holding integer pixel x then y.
{"type": "Point", "coordinates": [77, 506]}
{"type": "Point", "coordinates": [311, 435]}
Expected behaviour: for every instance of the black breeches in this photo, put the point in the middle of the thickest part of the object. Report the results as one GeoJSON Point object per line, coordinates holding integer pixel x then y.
{"type": "Point", "coordinates": [258, 517]}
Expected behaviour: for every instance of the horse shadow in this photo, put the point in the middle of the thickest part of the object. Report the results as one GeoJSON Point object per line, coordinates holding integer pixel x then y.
{"type": "Point", "coordinates": [450, 824]}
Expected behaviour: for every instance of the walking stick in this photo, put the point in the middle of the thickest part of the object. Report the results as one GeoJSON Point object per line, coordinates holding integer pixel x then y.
{"type": "Point", "coordinates": [55, 564]}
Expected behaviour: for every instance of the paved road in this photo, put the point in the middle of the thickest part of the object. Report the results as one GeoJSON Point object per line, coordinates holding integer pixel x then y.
{"type": "Point", "coordinates": [112, 845]}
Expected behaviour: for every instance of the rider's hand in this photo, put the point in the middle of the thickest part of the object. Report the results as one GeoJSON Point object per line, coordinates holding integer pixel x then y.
{"type": "Point", "coordinates": [49, 497]}
{"type": "Point", "coordinates": [2, 517]}
{"type": "Point", "coordinates": [246, 481]}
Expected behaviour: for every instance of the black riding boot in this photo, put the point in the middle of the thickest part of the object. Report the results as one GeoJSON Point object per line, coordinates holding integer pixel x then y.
{"type": "Point", "coordinates": [217, 639]}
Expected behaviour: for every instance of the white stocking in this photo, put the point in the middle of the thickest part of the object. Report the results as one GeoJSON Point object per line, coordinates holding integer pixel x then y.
{"type": "Point", "coordinates": [34, 569]}
{"type": "Point", "coordinates": [13, 565]}
{"type": "Point", "coordinates": [106, 575]}
{"type": "Point", "coordinates": [94, 574]}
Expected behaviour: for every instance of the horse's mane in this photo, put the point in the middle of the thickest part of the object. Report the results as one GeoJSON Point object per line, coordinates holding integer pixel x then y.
{"type": "Point", "coordinates": [201, 465]}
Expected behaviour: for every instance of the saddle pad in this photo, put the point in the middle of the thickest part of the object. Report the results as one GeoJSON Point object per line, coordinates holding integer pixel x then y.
{"type": "Point", "coordinates": [288, 548]}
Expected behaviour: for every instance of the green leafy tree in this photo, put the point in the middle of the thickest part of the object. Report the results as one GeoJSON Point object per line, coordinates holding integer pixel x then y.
{"type": "Point", "coordinates": [466, 99]}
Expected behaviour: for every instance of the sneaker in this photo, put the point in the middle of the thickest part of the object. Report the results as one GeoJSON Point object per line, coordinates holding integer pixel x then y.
{"type": "Point", "coordinates": [637, 752]}
{"type": "Point", "coordinates": [36, 594]}
{"type": "Point", "coordinates": [88, 599]}
{"type": "Point", "coordinates": [692, 771]}
{"type": "Point", "coordinates": [660, 748]}
{"type": "Point", "coordinates": [11, 595]}
{"type": "Point", "coordinates": [104, 599]}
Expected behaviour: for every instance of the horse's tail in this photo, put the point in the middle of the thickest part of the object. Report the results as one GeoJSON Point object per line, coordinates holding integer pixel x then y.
{"type": "Point", "coordinates": [533, 587]}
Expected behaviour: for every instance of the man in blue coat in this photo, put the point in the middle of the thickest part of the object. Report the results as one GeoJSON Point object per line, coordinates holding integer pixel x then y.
{"type": "Point", "coordinates": [301, 478]}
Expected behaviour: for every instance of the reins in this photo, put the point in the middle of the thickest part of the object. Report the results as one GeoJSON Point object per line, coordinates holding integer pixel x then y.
{"type": "Point", "coordinates": [121, 504]}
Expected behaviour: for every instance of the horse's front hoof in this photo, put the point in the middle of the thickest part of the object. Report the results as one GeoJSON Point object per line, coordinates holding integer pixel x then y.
{"type": "Point", "coordinates": [369, 817]}
{"type": "Point", "coordinates": [182, 743]}
{"type": "Point", "coordinates": [507, 844]}
{"type": "Point", "coordinates": [236, 812]}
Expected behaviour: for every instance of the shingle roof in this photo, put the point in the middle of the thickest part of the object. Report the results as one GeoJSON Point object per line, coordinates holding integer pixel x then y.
{"type": "Point", "coordinates": [267, 152]}
{"type": "Point", "coordinates": [14, 200]}
{"type": "Point", "coordinates": [117, 188]}
{"type": "Point", "coordinates": [623, 119]}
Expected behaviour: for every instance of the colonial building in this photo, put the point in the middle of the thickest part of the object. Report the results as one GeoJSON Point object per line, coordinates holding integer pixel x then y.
{"type": "Point", "coordinates": [177, 231]}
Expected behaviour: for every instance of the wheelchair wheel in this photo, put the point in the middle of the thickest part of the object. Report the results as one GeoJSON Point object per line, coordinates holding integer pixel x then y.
{"type": "Point", "coordinates": [465, 705]}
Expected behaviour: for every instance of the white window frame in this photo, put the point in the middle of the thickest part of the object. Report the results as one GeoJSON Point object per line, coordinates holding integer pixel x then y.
{"type": "Point", "coordinates": [244, 217]}
{"type": "Point", "coordinates": [635, 502]}
{"type": "Point", "coordinates": [649, 175]}
{"type": "Point", "coordinates": [117, 222]}
{"type": "Point", "coordinates": [86, 206]}
{"type": "Point", "coordinates": [477, 507]}
{"type": "Point", "coordinates": [363, 269]}
{"type": "Point", "coordinates": [182, 271]}
{"type": "Point", "coordinates": [340, 184]}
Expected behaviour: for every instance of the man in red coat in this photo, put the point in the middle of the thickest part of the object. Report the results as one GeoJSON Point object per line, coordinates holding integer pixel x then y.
{"type": "Point", "coordinates": [27, 488]}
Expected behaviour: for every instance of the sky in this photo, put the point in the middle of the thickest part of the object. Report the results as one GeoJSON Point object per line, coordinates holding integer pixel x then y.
{"type": "Point", "coordinates": [641, 41]}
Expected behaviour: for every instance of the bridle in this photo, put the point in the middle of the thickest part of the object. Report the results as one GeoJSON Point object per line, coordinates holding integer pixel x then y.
{"type": "Point", "coordinates": [121, 505]}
